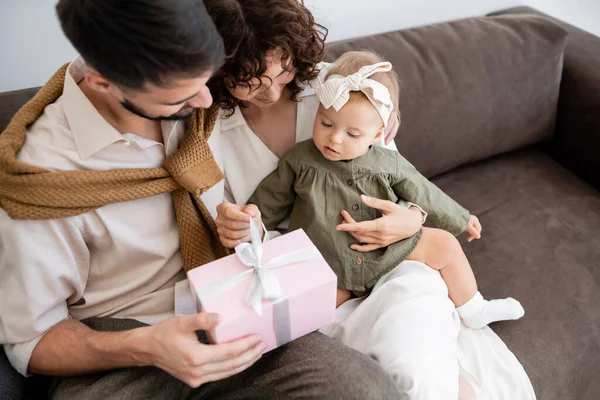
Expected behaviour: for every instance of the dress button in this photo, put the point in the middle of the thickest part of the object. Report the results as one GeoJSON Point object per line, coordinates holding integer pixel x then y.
{"type": "Point", "coordinates": [350, 182]}
{"type": "Point", "coordinates": [355, 207]}
{"type": "Point", "coordinates": [358, 261]}
{"type": "Point", "coordinates": [129, 142]}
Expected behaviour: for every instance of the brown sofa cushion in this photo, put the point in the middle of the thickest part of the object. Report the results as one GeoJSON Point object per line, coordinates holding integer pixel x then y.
{"type": "Point", "coordinates": [577, 138]}
{"type": "Point", "coordinates": [541, 245]}
{"type": "Point", "coordinates": [471, 88]}
{"type": "Point", "coordinates": [10, 102]}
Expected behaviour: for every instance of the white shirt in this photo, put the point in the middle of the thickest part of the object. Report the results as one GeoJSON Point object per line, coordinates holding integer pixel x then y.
{"type": "Point", "coordinates": [121, 260]}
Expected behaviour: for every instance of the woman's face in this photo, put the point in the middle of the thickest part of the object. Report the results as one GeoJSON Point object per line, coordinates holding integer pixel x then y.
{"type": "Point", "coordinates": [266, 90]}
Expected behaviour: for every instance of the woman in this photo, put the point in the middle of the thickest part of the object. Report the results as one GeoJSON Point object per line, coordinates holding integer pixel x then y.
{"type": "Point", "coordinates": [273, 49]}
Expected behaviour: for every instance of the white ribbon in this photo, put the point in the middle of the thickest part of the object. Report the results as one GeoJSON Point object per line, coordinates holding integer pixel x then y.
{"type": "Point", "coordinates": [265, 284]}
{"type": "Point", "coordinates": [335, 90]}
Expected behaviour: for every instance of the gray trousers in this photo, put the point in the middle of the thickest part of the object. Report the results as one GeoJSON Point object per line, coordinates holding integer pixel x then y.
{"type": "Point", "coordinates": [312, 367]}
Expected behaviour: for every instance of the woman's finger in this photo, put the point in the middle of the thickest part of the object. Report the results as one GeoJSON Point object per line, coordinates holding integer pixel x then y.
{"type": "Point", "coordinates": [385, 206]}
{"type": "Point", "coordinates": [358, 227]}
{"type": "Point", "coordinates": [367, 238]}
{"type": "Point", "coordinates": [235, 213]}
{"type": "Point", "coordinates": [251, 210]}
{"type": "Point", "coordinates": [232, 224]}
{"type": "Point", "coordinates": [231, 244]}
{"type": "Point", "coordinates": [347, 217]}
{"type": "Point", "coordinates": [233, 234]}
{"type": "Point", "coordinates": [391, 127]}
{"type": "Point", "coordinates": [363, 248]}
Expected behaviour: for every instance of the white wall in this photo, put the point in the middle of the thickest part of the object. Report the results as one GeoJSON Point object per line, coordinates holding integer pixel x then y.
{"type": "Point", "coordinates": [584, 14]}
{"type": "Point", "coordinates": [32, 45]}
{"type": "Point", "coordinates": [353, 18]}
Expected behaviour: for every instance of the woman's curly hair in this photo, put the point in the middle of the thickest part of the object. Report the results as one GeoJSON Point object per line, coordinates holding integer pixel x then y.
{"type": "Point", "coordinates": [252, 28]}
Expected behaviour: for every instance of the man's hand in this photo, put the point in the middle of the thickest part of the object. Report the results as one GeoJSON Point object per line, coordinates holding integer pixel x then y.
{"type": "Point", "coordinates": [173, 346]}
{"type": "Point", "coordinates": [233, 223]}
{"type": "Point", "coordinates": [397, 223]}
{"type": "Point", "coordinates": [473, 229]}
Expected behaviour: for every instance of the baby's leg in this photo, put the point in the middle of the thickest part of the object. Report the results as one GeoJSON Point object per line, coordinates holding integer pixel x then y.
{"type": "Point", "coordinates": [442, 251]}
{"type": "Point", "coordinates": [342, 296]}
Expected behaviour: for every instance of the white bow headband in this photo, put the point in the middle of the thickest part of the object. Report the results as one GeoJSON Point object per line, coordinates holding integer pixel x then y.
{"type": "Point", "coordinates": [335, 90]}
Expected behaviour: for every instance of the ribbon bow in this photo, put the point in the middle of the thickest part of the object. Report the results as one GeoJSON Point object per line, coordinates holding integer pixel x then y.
{"type": "Point", "coordinates": [335, 90]}
{"type": "Point", "coordinates": [265, 284]}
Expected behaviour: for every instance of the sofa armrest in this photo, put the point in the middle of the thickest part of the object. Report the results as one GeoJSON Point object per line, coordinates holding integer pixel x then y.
{"type": "Point", "coordinates": [576, 143]}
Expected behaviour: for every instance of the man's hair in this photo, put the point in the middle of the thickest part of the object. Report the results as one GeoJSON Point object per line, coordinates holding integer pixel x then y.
{"type": "Point", "coordinates": [135, 42]}
{"type": "Point", "coordinates": [251, 29]}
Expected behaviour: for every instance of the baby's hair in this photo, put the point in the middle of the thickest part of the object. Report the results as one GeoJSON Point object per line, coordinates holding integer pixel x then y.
{"type": "Point", "coordinates": [351, 61]}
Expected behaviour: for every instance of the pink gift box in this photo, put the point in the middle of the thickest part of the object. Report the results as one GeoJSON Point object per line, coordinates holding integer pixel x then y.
{"type": "Point", "coordinates": [309, 288]}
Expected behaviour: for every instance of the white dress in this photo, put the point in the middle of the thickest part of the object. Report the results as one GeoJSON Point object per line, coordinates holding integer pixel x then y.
{"type": "Point", "coordinates": [408, 323]}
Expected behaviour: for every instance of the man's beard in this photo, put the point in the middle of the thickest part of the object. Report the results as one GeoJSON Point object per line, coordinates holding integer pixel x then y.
{"type": "Point", "coordinates": [179, 115]}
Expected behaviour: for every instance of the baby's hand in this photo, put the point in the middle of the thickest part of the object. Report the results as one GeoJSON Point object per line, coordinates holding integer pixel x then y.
{"type": "Point", "coordinates": [473, 229]}
{"type": "Point", "coordinates": [233, 223]}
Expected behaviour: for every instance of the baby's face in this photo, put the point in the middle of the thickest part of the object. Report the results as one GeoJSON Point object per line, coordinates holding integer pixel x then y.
{"type": "Point", "coordinates": [348, 133]}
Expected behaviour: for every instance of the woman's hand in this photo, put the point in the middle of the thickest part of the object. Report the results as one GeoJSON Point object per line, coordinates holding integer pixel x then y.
{"type": "Point", "coordinates": [391, 129]}
{"type": "Point", "coordinates": [473, 229]}
{"type": "Point", "coordinates": [397, 223]}
{"type": "Point", "coordinates": [233, 223]}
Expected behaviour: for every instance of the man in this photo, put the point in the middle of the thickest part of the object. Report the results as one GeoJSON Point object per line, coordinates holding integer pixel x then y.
{"type": "Point", "coordinates": [100, 184]}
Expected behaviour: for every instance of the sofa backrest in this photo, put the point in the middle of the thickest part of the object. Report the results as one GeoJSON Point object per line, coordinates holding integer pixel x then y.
{"type": "Point", "coordinates": [10, 102]}
{"type": "Point", "coordinates": [472, 88]}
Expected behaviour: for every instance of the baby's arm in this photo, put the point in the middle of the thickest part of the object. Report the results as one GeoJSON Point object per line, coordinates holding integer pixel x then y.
{"type": "Point", "coordinates": [275, 195]}
{"type": "Point", "coordinates": [443, 212]}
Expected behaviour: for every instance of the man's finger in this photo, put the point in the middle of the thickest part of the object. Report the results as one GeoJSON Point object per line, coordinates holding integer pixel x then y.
{"type": "Point", "coordinates": [384, 205]}
{"type": "Point", "coordinates": [200, 321]}
{"type": "Point", "coordinates": [223, 366]}
{"type": "Point", "coordinates": [363, 248]}
{"type": "Point", "coordinates": [223, 375]}
{"type": "Point", "coordinates": [231, 350]}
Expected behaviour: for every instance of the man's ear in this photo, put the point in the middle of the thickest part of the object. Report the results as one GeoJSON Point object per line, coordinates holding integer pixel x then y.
{"type": "Point", "coordinates": [97, 82]}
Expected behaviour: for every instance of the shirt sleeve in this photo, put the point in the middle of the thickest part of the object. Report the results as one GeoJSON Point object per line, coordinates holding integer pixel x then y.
{"type": "Point", "coordinates": [275, 195]}
{"type": "Point", "coordinates": [442, 211]}
{"type": "Point", "coordinates": [42, 265]}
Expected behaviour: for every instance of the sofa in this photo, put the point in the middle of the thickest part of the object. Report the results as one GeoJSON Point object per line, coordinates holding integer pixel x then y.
{"type": "Point", "coordinates": [503, 113]}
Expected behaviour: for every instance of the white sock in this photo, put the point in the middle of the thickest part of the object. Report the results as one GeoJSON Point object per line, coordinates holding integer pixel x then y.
{"type": "Point", "coordinates": [478, 312]}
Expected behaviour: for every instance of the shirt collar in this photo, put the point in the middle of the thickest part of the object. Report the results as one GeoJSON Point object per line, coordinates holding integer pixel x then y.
{"type": "Point", "coordinates": [91, 131]}
{"type": "Point", "coordinates": [233, 121]}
